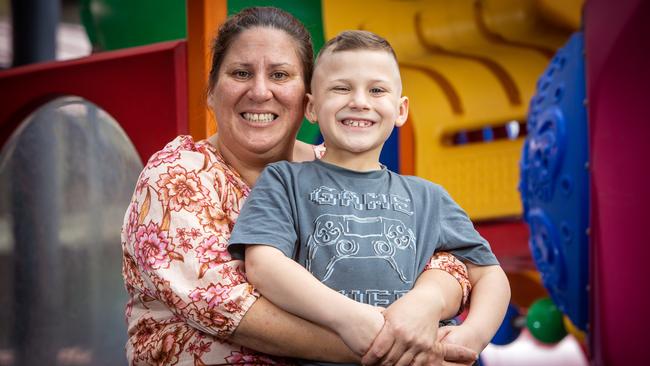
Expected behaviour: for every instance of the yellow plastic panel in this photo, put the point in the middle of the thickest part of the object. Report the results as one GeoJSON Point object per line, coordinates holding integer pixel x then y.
{"type": "Point", "coordinates": [465, 65]}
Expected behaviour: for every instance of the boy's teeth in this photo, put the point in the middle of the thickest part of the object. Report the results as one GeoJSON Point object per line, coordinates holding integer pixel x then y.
{"type": "Point", "coordinates": [355, 123]}
{"type": "Point", "coordinates": [258, 117]}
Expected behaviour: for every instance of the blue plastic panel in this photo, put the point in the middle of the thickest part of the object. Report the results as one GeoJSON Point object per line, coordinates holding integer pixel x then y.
{"type": "Point", "coordinates": [554, 182]}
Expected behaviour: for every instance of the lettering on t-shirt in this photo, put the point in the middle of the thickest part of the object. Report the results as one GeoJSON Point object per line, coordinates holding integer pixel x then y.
{"type": "Point", "coordinates": [374, 297]}
{"type": "Point", "coordinates": [360, 201]}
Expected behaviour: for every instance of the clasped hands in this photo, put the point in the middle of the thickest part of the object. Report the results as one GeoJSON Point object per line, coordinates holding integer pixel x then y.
{"type": "Point", "coordinates": [404, 334]}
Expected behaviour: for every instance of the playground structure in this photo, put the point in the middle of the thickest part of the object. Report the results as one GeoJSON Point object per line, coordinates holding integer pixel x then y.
{"type": "Point", "coordinates": [474, 72]}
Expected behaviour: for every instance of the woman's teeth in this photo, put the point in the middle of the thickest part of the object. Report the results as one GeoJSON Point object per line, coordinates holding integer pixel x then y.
{"type": "Point", "coordinates": [357, 123]}
{"type": "Point", "coordinates": [259, 117]}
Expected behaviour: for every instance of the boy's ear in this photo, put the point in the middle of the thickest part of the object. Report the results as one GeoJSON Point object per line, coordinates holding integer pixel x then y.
{"type": "Point", "coordinates": [310, 111]}
{"type": "Point", "coordinates": [403, 111]}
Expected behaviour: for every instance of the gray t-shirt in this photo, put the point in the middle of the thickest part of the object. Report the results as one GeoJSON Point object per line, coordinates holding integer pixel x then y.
{"type": "Point", "coordinates": [368, 235]}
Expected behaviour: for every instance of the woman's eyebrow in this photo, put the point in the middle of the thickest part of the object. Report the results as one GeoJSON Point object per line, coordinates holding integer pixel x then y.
{"type": "Point", "coordinates": [280, 64]}
{"type": "Point", "coordinates": [249, 64]}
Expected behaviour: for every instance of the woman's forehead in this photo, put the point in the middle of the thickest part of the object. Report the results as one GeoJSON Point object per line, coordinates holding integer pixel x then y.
{"type": "Point", "coordinates": [272, 46]}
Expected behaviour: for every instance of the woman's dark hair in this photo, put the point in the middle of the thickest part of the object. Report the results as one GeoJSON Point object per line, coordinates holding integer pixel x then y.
{"type": "Point", "coordinates": [264, 17]}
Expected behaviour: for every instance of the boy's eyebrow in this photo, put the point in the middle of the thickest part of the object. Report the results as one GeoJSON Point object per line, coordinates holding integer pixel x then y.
{"type": "Point", "coordinates": [385, 83]}
{"type": "Point", "coordinates": [372, 81]}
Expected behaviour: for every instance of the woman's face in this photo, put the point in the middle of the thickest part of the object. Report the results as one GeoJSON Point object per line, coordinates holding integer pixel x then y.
{"type": "Point", "coordinates": [259, 96]}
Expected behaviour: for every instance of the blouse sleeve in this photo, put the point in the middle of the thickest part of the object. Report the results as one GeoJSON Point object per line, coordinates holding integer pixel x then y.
{"type": "Point", "coordinates": [452, 265]}
{"type": "Point", "coordinates": [175, 237]}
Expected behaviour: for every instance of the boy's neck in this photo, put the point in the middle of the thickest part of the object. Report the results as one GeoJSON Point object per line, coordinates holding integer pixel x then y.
{"type": "Point", "coordinates": [360, 162]}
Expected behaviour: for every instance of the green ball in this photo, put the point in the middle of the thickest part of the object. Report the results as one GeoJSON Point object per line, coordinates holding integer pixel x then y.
{"type": "Point", "coordinates": [544, 321]}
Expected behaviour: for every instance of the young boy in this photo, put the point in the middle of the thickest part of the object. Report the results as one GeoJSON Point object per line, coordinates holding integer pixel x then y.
{"type": "Point", "coordinates": [356, 227]}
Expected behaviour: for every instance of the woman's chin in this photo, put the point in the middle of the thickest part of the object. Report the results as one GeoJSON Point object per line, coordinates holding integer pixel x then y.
{"type": "Point", "coordinates": [267, 146]}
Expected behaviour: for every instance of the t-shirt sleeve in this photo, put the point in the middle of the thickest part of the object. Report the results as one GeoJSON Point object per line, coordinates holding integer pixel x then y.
{"type": "Point", "coordinates": [266, 217]}
{"type": "Point", "coordinates": [458, 235]}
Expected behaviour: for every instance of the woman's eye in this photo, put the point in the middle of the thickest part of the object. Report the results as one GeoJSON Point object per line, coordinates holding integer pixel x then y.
{"type": "Point", "coordinates": [279, 75]}
{"type": "Point", "coordinates": [241, 74]}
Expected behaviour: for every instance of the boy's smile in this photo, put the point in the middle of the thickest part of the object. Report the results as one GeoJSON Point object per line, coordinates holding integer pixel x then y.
{"type": "Point", "coordinates": [356, 99]}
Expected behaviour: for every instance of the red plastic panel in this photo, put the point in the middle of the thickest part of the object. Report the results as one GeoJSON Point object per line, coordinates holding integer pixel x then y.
{"type": "Point", "coordinates": [617, 34]}
{"type": "Point", "coordinates": [143, 88]}
{"type": "Point", "coordinates": [509, 242]}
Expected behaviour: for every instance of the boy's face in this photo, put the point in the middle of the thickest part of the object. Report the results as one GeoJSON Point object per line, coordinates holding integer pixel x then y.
{"type": "Point", "coordinates": [356, 99]}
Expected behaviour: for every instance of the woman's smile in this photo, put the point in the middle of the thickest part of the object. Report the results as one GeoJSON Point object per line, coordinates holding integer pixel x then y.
{"type": "Point", "coordinates": [259, 118]}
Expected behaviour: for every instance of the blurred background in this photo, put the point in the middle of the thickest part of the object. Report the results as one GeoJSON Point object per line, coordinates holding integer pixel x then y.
{"type": "Point", "coordinates": [531, 113]}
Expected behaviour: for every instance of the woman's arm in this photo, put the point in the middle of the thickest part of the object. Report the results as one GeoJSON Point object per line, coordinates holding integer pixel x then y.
{"type": "Point", "coordinates": [269, 329]}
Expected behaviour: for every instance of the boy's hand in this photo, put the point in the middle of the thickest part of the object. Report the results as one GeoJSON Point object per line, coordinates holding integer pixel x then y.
{"type": "Point", "coordinates": [461, 335]}
{"type": "Point", "coordinates": [445, 354]}
{"type": "Point", "coordinates": [359, 327]}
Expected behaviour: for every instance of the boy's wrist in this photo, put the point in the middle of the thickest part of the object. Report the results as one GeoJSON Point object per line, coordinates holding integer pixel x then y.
{"type": "Point", "coordinates": [480, 338]}
{"type": "Point", "coordinates": [343, 313]}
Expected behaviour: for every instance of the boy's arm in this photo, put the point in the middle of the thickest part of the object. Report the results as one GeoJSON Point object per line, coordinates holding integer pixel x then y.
{"type": "Point", "coordinates": [293, 289]}
{"type": "Point", "coordinates": [412, 321]}
{"type": "Point", "coordinates": [489, 302]}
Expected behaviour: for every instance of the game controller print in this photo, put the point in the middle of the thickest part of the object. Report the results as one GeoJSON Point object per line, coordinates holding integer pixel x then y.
{"type": "Point", "coordinates": [338, 237]}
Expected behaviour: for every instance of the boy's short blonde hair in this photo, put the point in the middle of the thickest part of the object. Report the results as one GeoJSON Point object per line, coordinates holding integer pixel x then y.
{"type": "Point", "coordinates": [352, 40]}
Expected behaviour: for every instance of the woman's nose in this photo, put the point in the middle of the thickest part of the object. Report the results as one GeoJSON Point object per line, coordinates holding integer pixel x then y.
{"type": "Point", "coordinates": [260, 91]}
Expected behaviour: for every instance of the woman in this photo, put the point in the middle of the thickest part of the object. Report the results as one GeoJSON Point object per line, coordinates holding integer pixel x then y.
{"type": "Point", "coordinates": [189, 301]}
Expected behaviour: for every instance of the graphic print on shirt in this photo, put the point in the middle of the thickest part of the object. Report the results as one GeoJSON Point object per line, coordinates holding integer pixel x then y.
{"type": "Point", "coordinates": [338, 237]}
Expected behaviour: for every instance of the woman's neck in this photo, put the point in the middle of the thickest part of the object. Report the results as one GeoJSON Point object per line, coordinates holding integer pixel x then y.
{"type": "Point", "coordinates": [249, 165]}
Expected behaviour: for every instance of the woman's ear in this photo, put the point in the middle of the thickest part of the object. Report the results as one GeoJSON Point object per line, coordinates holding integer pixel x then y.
{"type": "Point", "coordinates": [403, 112]}
{"type": "Point", "coordinates": [209, 100]}
{"type": "Point", "coordinates": [310, 109]}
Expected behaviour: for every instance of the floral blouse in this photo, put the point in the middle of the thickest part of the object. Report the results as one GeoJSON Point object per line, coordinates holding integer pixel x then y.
{"type": "Point", "coordinates": [186, 294]}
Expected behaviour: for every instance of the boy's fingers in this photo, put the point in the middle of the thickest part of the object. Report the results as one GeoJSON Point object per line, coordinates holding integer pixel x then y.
{"type": "Point", "coordinates": [443, 331]}
{"type": "Point", "coordinates": [458, 353]}
{"type": "Point", "coordinates": [379, 347]}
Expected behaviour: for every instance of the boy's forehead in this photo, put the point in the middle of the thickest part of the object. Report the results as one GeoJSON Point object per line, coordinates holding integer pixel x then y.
{"type": "Point", "coordinates": [345, 60]}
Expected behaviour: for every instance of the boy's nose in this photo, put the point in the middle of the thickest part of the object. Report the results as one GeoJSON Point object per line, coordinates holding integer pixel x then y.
{"type": "Point", "coordinates": [259, 91]}
{"type": "Point", "coordinates": [359, 100]}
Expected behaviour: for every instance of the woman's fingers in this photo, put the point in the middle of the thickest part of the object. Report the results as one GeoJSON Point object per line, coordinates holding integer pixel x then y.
{"type": "Point", "coordinates": [396, 352]}
{"type": "Point", "coordinates": [421, 359]}
{"type": "Point", "coordinates": [406, 359]}
{"type": "Point", "coordinates": [379, 347]}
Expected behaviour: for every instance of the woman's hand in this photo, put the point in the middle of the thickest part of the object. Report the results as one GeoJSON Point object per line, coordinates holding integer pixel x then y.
{"type": "Point", "coordinates": [410, 328]}
{"type": "Point", "coordinates": [409, 337]}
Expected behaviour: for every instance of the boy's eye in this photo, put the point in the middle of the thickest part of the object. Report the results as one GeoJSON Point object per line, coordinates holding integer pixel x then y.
{"type": "Point", "coordinates": [377, 91]}
{"type": "Point", "coordinates": [340, 88]}
{"type": "Point", "coordinates": [279, 75]}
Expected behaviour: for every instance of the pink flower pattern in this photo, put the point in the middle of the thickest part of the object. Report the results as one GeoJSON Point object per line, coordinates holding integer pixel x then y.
{"type": "Point", "coordinates": [165, 156]}
{"type": "Point", "coordinates": [181, 190]}
{"type": "Point", "coordinates": [153, 250]}
{"type": "Point", "coordinates": [186, 294]}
